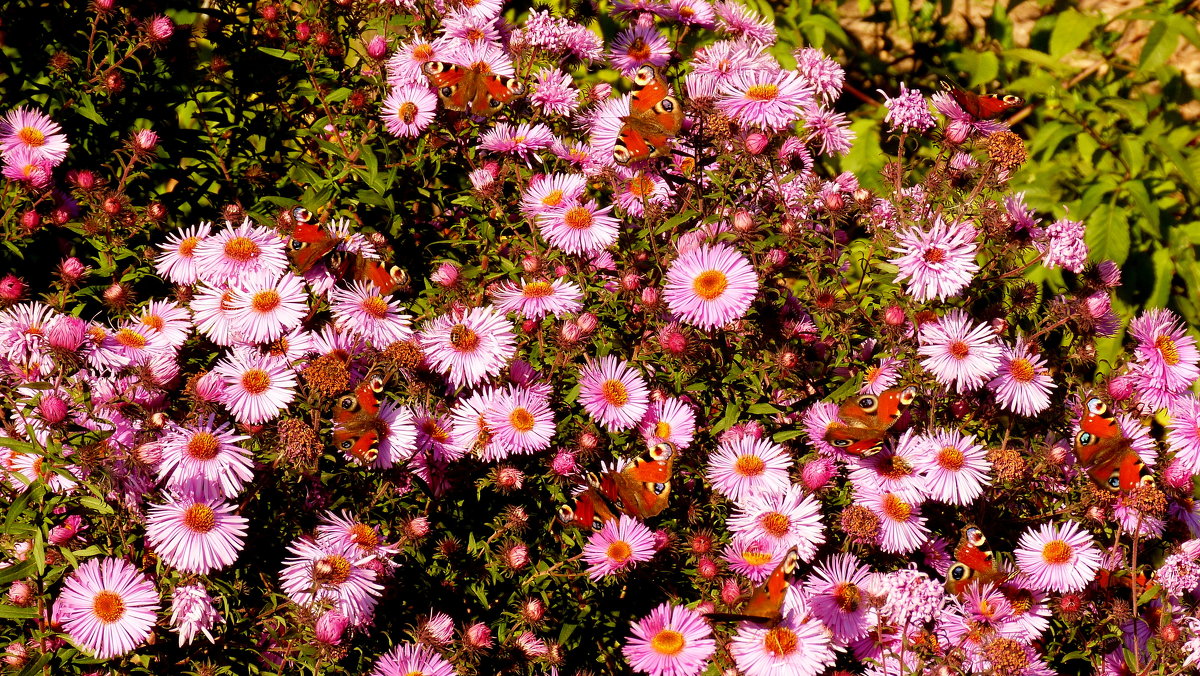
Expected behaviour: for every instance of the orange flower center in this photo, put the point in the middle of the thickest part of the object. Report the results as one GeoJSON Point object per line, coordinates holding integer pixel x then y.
{"type": "Point", "coordinates": [895, 508]}
{"type": "Point", "coordinates": [265, 301]}
{"type": "Point", "coordinates": [1057, 552]}
{"type": "Point", "coordinates": [553, 198]}
{"type": "Point", "coordinates": [935, 255]}
{"type": "Point", "coordinates": [755, 557]}
{"type": "Point", "coordinates": [108, 607]}
{"type": "Point", "coordinates": [749, 465]}
{"type": "Point", "coordinates": [951, 458]}
{"type": "Point", "coordinates": [710, 284]}
{"type": "Point", "coordinates": [154, 322]}
{"type": "Point", "coordinates": [32, 137]}
{"type": "Point", "coordinates": [1168, 349]}
{"type": "Point", "coordinates": [256, 381]}
{"type": "Point", "coordinates": [364, 536]}
{"type": "Point", "coordinates": [203, 446]}
{"type": "Point", "coordinates": [775, 524]}
{"type": "Point", "coordinates": [537, 290]}
{"type": "Point", "coordinates": [763, 92]}
{"type": "Point", "coordinates": [463, 338]}
{"type": "Point", "coordinates": [614, 392]}
{"type": "Point", "coordinates": [422, 52]}
{"type": "Point", "coordinates": [639, 50]}
{"type": "Point", "coordinates": [578, 218]}
{"type": "Point", "coordinates": [1021, 370]}
{"type": "Point", "coordinates": [667, 642]}
{"type": "Point", "coordinates": [959, 349]}
{"type": "Point", "coordinates": [332, 569]}
{"type": "Point", "coordinates": [894, 467]}
{"type": "Point", "coordinates": [641, 186]}
{"type": "Point", "coordinates": [407, 112]}
{"type": "Point", "coordinates": [241, 249]}
{"type": "Point", "coordinates": [375, 306]}
{"type": "Point", "coordinates": [521, 419]}
{"type": "Point", "coordinates": [130, 338]}
{"type": "Point", "coordinates": [847, 596]}
{"type": "Point", "coordinates": [199, 518]}
{"type": "Point", "coordinates": [187, 248]}
{"type": "Point", "coordinates": [619, 551]}
{"type": "Point", "coordinates": [662, 429]}
{"type": "Point", "coordinates": [434, 431]}
{"type": "Point", "coordinates": [781, 642]}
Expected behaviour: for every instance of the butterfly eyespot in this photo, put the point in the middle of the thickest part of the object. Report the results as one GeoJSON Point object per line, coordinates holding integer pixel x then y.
{"type": "Point", "coordinates": [1013, 100]}
{"type": "Point", "coordinates": [908, 396]}
{"type": "Point", "coordinates": [958, 572]}
{"type": "Point", "coordinates": [1146, 480]}
{"type": "Point", "coordinates": [301, 215]}
{"type": "Point", "coordinates": [515, 87]}
{"type": "Point", "coordinates": [376, 384]}
{"type": "Point", "coordinates": [662, 451]}
{"type": "Point", "coordinates": [347, 403]}
{"type": "Point", "coordinates": [868, 404]}
{"type": "Point", "coordinates": [667, 105]}
{"type": "Point", "coordinates": [975, 537]}
{"type": "Point", "coordinates": [346, 445]}
{"type": "Point", "coordinates": [1084, 439]}
{"type": "Point", "coordinates": [597, 523]}
{"type": "Point", "coordinates": [447, 91]}
{"type": "Point", "coordinates": [840, 443]}
{"type": "Point", "coordinates": [791, 561]}
{"type": "Point", "coordinates": [1114, 482]}
{"type": "Point", "coordinates": [658, 489]}
{"type": "Point", "coordinates": [371, 455]}
{"type": "Point", "coordinates": [1096, 406]}
{"type": "Point", "coordinates": [566, 514]}
{"type": "Point", "coordinates": [621, 154]}
{"type": "Point", "coordinates": [644, 75]}
{"type": "Point", "coordinates": [433, 67]}
{"type": "Point", "coordinates": [297, 245]}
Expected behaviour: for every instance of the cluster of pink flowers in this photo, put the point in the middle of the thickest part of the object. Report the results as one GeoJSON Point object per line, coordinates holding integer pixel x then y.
{"type": "Point", "coordinates": [31, 146]}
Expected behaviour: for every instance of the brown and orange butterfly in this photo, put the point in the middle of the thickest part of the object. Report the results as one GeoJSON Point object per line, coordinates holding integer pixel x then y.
{"type": "Point", "coordinates": [766, 603]}
{"type": "Point", "coordinates": [1105, 452]}
{"type": "Point", "coordinates": [972, 563]}
{"type": "Point", "coordinates": [640, 489]}
{"type": "Point", "coordinates": [655, 117]}
{"type": "Point", "coordinates": [983, 106]}
{"type": "Point", "coordinates": [312, 244]}
{"type": "Point", "coordinates": [357, 424]}
{"type": "Point", "coordinates": [474, 89]}
{"type": "Point", "coordinates": [866, 419]}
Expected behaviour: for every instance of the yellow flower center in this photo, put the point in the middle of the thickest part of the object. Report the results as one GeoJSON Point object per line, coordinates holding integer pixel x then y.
{"type": "Point", "coordinates": [537, 290]}
{"type": "Point", "coordinates": [407, 112]}
{"type": "Point", "coordinates": [1022, 370]}
{"type": "Point", "coordinates": [199, 518]}
{"type": "Point", "coordinates": [463, 338]}
{"type": "Point", "coordinates": [1168, 349]}
{"type": "Point", "coordinates": [265, 301]}
{"type": "Point", "coordinates": [951, 458]}
{"type": "Point", "coordinates": [710, 284]}
{"type": "Point", "coordinates": [256, 381]}
{"type": "Point", "coordinates": [521, 419]}
{"type": "Point", "coordinates": [775, 524]}
{"type": "Point", "coordinates": [619, 551]}
{"type": "Point", "coordinates": [614, 392]}
{"type": "Point", "coordinates": [203, 446]}
{"type": "Point", "coordinates": [578, 218]}
{"type": "Point", "coordinates": [130, 338]}
{"type": "Point", "coordinates": [1057, 552]}
{"type": "Point", "coordinates": [959, 350]}
{"type": "Point", "coordinates": [749, 465]}
{"type": "Point", "coordinates": [781, 642]}
{"type": "Point", "coordinates": [154, 322]}
{"type": "Point", "coordinates": [553, 198]}
{"type": "Point", "coordinates": [375, 306]}
{"type": "Point", "coordinates": [934, 255]}
{"type": "Point", "coordinates": [187, 248]}
{"type": "Point", "coordinates": [896, 509]}
{"type": "Point", "coordinates": [667, 642]}
{"type": "Point", "coordinates": [847, 596]}
{"type": "Point", "coordinates": [241, 249]}
{"type": "Point", "coordinates": [662, 429]}
{"type": "Point", "coordinates": [364, 536]}
{"type": "Point", "coordinates": [108, 607]}
{"type": "Point", "coordinates": [763, 92]}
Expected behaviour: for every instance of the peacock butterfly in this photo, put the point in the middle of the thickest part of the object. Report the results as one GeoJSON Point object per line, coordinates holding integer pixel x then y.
{"type": "Point", "coordinates": [475, 89]}
{"type": "Point", "coordinates": [983, 106]}
{"type": "Point", "coordinates": [357, 425]}
{"type": "Point", "coordinates": [1105, 452]}
{"type": "Point", "coordinates": [972, 563]}
{"type": "Point", "coordinates": [654, 118]}
{"type": "Point", "coordinates": [312, 244]}
{"type": "Point", "coordinates": [766, 603]}
{"type": "Point", "coordinates": [864, 420]}
{"type": "Point", "coordinates": [639, 489]}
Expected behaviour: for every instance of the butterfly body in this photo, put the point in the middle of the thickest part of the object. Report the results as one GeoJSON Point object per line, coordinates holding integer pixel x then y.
{"type": "Point", "coordinates": [973, 562]}
{"type": "Point", "coordinates": [641, 489]}
{"type": "Point", "coordinates": [766, 603]}
{"type": "Point", "coordinates": [983, 106]}
{"type": "Point", "coordinates": [357, 424]}
{"type": "Point", "coordinates": [1106, 453]}
{"type": "Point", "coordinates": [866, 419]}
{"type": "Point", "coordinates": [475, 89]}
{"type": "Point", "coordinates": [654, 118]}
{"type": "Point", "coordinates": [309, 245]}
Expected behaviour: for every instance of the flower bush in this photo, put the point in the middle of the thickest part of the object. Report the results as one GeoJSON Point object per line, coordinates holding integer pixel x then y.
{"type": "Point", "coordinates": [405, 338]}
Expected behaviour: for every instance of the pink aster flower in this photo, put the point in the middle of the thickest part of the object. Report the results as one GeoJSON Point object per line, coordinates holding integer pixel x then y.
{"type": "Point", "coordinates": [1183, 433]}
{"type": "Point", "coordinates": [908, 110]}
{"type": "Point", "coordinates": [668, 421]}
{"type": "Point", "coordinates": [166, 318]}
{"type": "Point", "coordinates": [520, 420]}
{"type": "Point", "coordinates": [828, 131]}
{"type": "Point", "coordinates": [688, 12]}
{"type": "Point", "coordinates": [579, 228]}
{"type": "Point", "coordinates": [330, 574]}
{"type": "Point", "coordinates": [23, 166]}
{"type": "Point", "coordinates": [520, 140]}
{"type": "Point", "coordinates": [404, 66]}
{"type": "Point", "coordinates": [894, 470]}
{"type": "Point", "coordinates": [409, 658]}
{"type": "Point", "coordinates": [1023, 384]}
{"type": "Point", "coordinates": [257, 387]}
{"type": "Point", "coordinates": [744, 466]}
{"type": "Point", "coordinates": [1061, 558]}
{"type": "Point", "coordinates": [822, 73]}
{"type": "Point", "coordinates": [193, 611]}
{"type": "Point", "coordinates": [817, 420]}
{"type": "Point", "coordinates": [538, 298]}
{"type": "Point", "coordinates": [710, 286]}
{"type": "Point", "coordinates": [752, 557]}
{"type": "Point", "coordinates": [1062, 245]}
{"type": "Point", "coordinates": [835, 596]}
{"type": "Point", "coordinates": [640, 189]}
{"type": "Point", "coordinates": [954, 466]}
{"type": "Point", "coordinates": [739, 21]}
{"type": "Point", "coordinates": [617, 546]}
{"type": "Point", "coordinates": [901, 526]}
{"type": "Point", "coordinates": [194, 534]}
{"type": "Point", "coordinates": [800, 645]}
{"type": "Point", "coordinates": [1165, 353]}
{"type": "Point", "coordinates": [788, 518]}
{"type": "Point", "coordinates": [408, 110]}
{"type": "Point", "coordinates": [772, 100]}
{"type": "Point", "coordinates": [879, 378]}
{"type": "Point", "coordinates": [959, 353]}
{"type": "Point", "coordinates": [212, 310]}
{"type": "Point", "coordinates": [637, 45]}
{"type": "Point", "coordinates": [107, 607]}
{"type": "Point", "coordinates": [238, 252]}
{"type": "Point", "coordinates": [362, 311]}
{"type": "Point", "coordinates": [469, 346]}
{"type": "Point", "coordinates": [340, 528]}
{"type": "Point", "coordinates": [613, 393]}
{"type": "Point", "coordinates": [670, 641]}
{"type": "Point", "coordinates": [547, 192]}
{"type": "Point", "coordinates": [26, 129]}
{"type": "Point", "coordinates": [939, 263]}
{"type": "Point", "coordinates": [265, 307]}
{"type": "Point", "coordinates": [554, 92]}
{"type": "Point", "coordinates": [960, 125]}
{"type": "Point", "coordinates": [206, 451]}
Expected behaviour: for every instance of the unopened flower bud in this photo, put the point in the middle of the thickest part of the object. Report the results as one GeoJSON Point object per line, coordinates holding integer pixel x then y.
{"type": "Point", "coordinates": [531, 264]}
{"type": "Point", "coordinates": [706, 567]}
{"type": "Point", "coordinates": [416, 528]}
{"type": "Point", "coordinates": [446, 275]}
{"type": "Point", "coordinates": [1120, 388]}
{"type": "Point", "coordinates": [533, 610]}
{"type": "Point", "coordinates": [570, 332]}
{"type": "Point", "coordinates": [588, 441]}
{"type": "Point", "coordinates": [145, 140]}
{"type": "Point", "coordinates": [650, 296]}
{"type": "Point", "coordinates": [20, 593]}
{"type": "Point", "coordinates": [30, 220]}
{"type": "Point", "coordinates": [516, 556]}
{"type": "Point", "coordinates": [894, 316]}
{"type": "Point", "coordinates": [117, 296]}
{"type": "Point", "coordinates": [330, 626]}
{"type": "Point", "coordinates": [377, 48]}
{"type": "Point", "coordinates": [71, 269]}
{"type": "Point", "coordinates": [743, 222]}
{"type": "Point", "coordinates": [12, 289]}
{"type": "Point", "coordinates": [52, 408]}
{"type": "Point", "coordinates": [477, 637]}
{"type": "Point", "coordinates": [731, 591]}
{"type": "Point", "coordinates": [756, 142]}
{"type": "Point", "coordinates": [160, 28]}
{"type": "Point", "coordinates": [587, 322]}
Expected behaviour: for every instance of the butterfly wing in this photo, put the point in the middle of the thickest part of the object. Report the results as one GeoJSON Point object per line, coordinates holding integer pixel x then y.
{"type": "Point", "coordinates": [983, 106]}
{"type": "Point", "coordinates": [643, 488]}
{"type": "Point", "coordinates": [310, 243]}
{"type": "Point", "coordinates": [866, 419]}
{"type": "Point", "coordinates": [1105, 451]}
{"type": "Point", "coordinates": [356, 421]}
{"type": "Point", "coordinates": [973, 562]}
{"type": "Point", "coordinates": [474, 88]}
{"type": "Point", "coordinates": [766, 603]}
{"type": "Point", "coordinates": [654, 118]}
{"type": "Point", "coordinates": [386, 278]}
{"type": "Point", "coordinates": [591, 510]}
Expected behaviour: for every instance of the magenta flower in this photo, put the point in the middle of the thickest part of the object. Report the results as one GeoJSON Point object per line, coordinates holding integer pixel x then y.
{"type": "Point", "coordinates": [800, 645]}
{"type": "Point", "coordinates": [521, 140]}
{"type": "Point", "coordinates": [194, 534]}
{"type": "Point", "coordinates": [1062, 245]}
{"type": "Point", "coordinates": [617, 546]}
{"type": "Point", "coordinates": [408, 110]}
{"type": "Point", "coordinates": [637, 45]}
{"type": "Point", "coordinates": [835, 596]}
{"type": "Point", "coordinates": [538, 298]}
{"type": "Point", "coordinates": [959, 353]}
{"type": "Point", "coordinates": [670, 421]}
{"type": "Point", "coordinates": [960, 125]}
{"type": "Point", "coordinates": [554, 92]}
{"type": "Point", "coordinates": [257, 387]}
{"type": "Point", "coordinates": [1023, 384]}
{"type": "Point", "coordinates": [520, 420]}
{"type": "Point", "coordinates": [787, 518]}
{"type": "Point", "coordinates": [901, 526]}
{"type": "Point", "coordinates": [745, 466]}
{"type": "Point", "coordinates": [404, 66]}
{"type": "Point", "coordinates": [28, 130]}
{"type": "Point", "coordinates": [882, 377]}
{"type": "Point", "coordinates": [206, 451]}
{"type": "Point", "coordinates": [1061, 558]}
{"type": "Point", "coordinates": [579, 228]}
{"type": "Point", "coordinates": [1183, 432]}
{"type": "Point", "coordinates": [239, 252]}
{"type": "Point", "coordinates": [212, 311]}
{"type": "Point", "coordinates": [547, 192]}
{"type": "Point", "coordinates": [739, 21]}
{"type": "Point", "coordinates": [908, 110]}
{"type": "Point", "coordinates": [894, 470]}
{"type": "Point", "coordinates": [954, 466]}
{"type": "Point", "coordinates": [408, 658]}
{"type": "Point", "coordinates": [338, 530]}
{"type": "Point", "coordinates": [330, 574]}
{"type": "Point", "coordinates": [613, 393]}
{"type": "Point", "coordinates": [193, 611]}
{"type": "Point", "coordinates": [469, 346]}
{"type": "Point", "coordinates": [1165, 353]}
{"type": "Point", "coordinates": [363, 311]}
{"type": "Point", "coordinates": [817, 420]}
{"type": "Point", "coordinates": [670, 641]}
{"type": "Point", "coordinates": [266, 306]}
{"type": "Point", "coordinates": [107, 607]}
{"type": "Point", "coordinates": [939, 263]}
{"type": "Point", "coordinates": [772, 100]}
{"type": "Point", "coordinates": [710, 286]}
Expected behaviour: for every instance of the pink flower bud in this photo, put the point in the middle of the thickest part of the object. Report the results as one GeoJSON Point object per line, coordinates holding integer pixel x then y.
{"type": "Point", "coordinates": [149, 453]}
{"type": "Point", "coordinates": [531, 264]}
{"type": "Point", "coordinates": [210, 387]}
{"type": "Point", "coordinates": [587, 322]}
{"type": "Point", "coordinates": [531, 645]}
{"type": "Point", "coordinates": [1057, 454]}
{"type": "Point", "coordinates": [1177, 475]}
{"type": "Point", "coordinates": [706, 567]}
{"type": "Point", "coordinates": [377, 48]}
{"type": "Point", "coordinates": [66, 333]}
{"type": "Point", "coordinates": [588, 441]}
{"type": "Point", "coordinates": [650, 296]}
{"type": "Point", "coordinates": [12, 289]}
{"type": "Point", "coordinates": [509, 478]}
{"type": "Point", "coordinates": [160, 28]}
{"type": "Point", "coordinates": [673, 340]}
{"type": "Point", "coordinates": [561, 270]}
{"type": "Point", "coordinates": [71, 269]}
{"type": "Point", "coordinates": [446, 275]}
{"type": "Point", "coordinates": [1110, 274]}
{"type": "Point", "coordinates": [516, 556]}
{"type": "Point", "coordinates": [743, 222]}
{"type": "Point", "coordinates": [529, 325]}
{"type": "Point", "coordinates": [416, 528]}
{"type": "Point", "coordinates": [30, 220]}
{"type": "Point", "coordinates": [731, 591]}
{"type": "Point", "coordinates": [16, 655]}
{"type": "Point", "coordinates": [437, 630]}
{"type": "Point", "coordinates": [816, 474]}
{"type": "Point", "coordinates": [570, 332]}
{"type": "Point", "coordinates": [894, 316]}
{"type": "Point", "coordinates": [145, 140]}
{"type": "Point", "coordinates": [756, 142]}
{"type": "Point", "coordinates": [20, 593]}
{"type": "Point", "coordinates": [330, 627]}
{"type": "Point", "coordinates": [52, 408]}
{"type": "Point", "coordinates": [601, 91]}
{"type": "Point", "coordinates": [117, 295]}
{"type": "Point", "coordinates": [958, 131]}
{"type": "Point", "coordinates": [533, 610]}
{"type": "Point", "coordinates": [303, 31]}
{"type": "Point", "coordinates": [563, 463]}
{"type": "Point", "coordinates": [83, 179]}
{"type": "Point", "coordinates": [1120, 388]}
{"type": "Point", "coordinates": [478, 637]}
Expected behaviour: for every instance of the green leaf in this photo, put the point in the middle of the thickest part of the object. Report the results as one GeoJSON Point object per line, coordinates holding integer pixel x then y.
{"type": "Point", "coordinates": [763, 409]}
{"type": "Point", "coordinates": [96, 505]}
{"type": "Point", "coordinates": [732, 413]}
{"type": "Point", "coordinates": [14, 613]}
{"type": "Point", "coordinates": [1164, 272]}
{"type": "Point", "coordinates": [1071, 29]}
{"type": "Point", "coordinates": [279, 53]}
{"type": "Point", "coordinates": [1172, 154]}
{"type": "Point", "coordinates": [1107, 234]}
{"type": "Point", "coordinates": [780, 437]}
{"type": "Point", "coordinates": [903, 10]}
{"type": "Point", "coordinates": [16, 572]}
